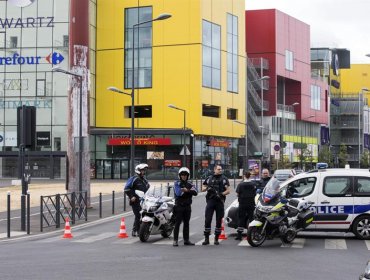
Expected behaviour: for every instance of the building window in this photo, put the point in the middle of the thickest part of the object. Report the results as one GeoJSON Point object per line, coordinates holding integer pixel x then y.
{"type": "Point", "coordinates": [13, 41]}
{"type": "Point", "coordinates": [65, 41]}
{"type": "Point", "coordinates": [289, 59]}
{"type": "Point", "coordinates": [232, 53]}
{"type": "Point", "coordinates": [232, 114]}
{"type": "Point", "coordinates": [144, 111]}
{"type": "Point", "coordinates": [211, 55]}
{"type": "Point", "coordinates": [57, 143]}
{"type": "Point", "coordinates": [2, 40]}
{"type": "Point", "coordinates": [142, 46]}
{"type": "Point", "coordinates": [40, 87]}
{"type": "Point", "coordinates": [211, 111]}
{"type": "Point", "coordinates": [315, 97]}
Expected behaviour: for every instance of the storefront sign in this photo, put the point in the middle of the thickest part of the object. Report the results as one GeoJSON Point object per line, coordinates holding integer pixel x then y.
{"type": "Point", "coordinates": [170, 162]}
{"type": "Point", "coordinates": [142, 141]}
{"type": "Point", "coordinates": [9, 139]}
{"type": "Point", "coordinates": [216, 143]}
{"type": "Point", "coordinates": [14, 104]}
{"type": "Point", "coordinates": [43, 138]}
{"type": "Point", "coordinates": [27, 22]}
{"type": "Point", "coordinates": [16, 59]}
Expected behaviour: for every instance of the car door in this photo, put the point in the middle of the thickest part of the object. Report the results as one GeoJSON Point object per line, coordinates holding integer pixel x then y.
{"type": "Point", "coordinates": [361, 195]}
{"type": "Point", "coordinates": [335, 203]}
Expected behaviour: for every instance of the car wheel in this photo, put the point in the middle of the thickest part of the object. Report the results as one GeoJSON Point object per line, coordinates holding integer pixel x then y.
{"type": "Point", "coordinates": [361, 227]}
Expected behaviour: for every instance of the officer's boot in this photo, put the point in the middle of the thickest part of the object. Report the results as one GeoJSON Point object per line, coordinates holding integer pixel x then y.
{"type": "Point", "coordinates": [206, 238]}
{"type": "Point", "coordinates": [239, 236]}
{"type": "Point", "coordinates": [216, 239]}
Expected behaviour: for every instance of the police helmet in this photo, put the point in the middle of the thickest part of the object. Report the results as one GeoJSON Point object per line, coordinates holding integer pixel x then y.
{"type": "Point", "coordinates": [184, 170]}
{"type": "Point", "coordinates": [139, 167]}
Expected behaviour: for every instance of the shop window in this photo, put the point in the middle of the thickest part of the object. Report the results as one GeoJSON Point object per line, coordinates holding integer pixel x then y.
{"type": "Point", "coordinates": [140, 111]}
{"type": "Point", "coordinates": [65, 41]}
{"type": "Point", "coordinates": [232, 114]}
{"type": "Point", "coordinates": [211, 111]}
{"type": "Point", "coordinates": [13, 42]}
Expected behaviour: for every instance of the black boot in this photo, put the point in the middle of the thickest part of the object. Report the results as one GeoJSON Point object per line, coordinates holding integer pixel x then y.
{"type": "Point", "coordinates": [239, 236]}
{"type": "Point", "coordinates": [188, 243]}
{"type": "Point", "coordinates": [175, 243]}
{"type": "Point", "coordinates": [206, 240]}
{"type": "Point", "coordinates": [216, 240]}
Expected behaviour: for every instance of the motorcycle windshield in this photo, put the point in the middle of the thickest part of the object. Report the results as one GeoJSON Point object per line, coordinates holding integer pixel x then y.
{"type": "Point", "coordinates": [271, 190]}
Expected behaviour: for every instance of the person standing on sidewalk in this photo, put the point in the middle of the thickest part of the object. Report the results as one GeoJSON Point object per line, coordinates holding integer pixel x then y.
{"type": "Point", "coordinates": [184, 191]}
{"type": "Point", "coordinates": [246, 191]}
{"type": "Point", "coordinates": [264, 179]}
{"type": "Point", "coordinates": [217, 187]}
{"type": "Point", "coordinates": [137, 182]}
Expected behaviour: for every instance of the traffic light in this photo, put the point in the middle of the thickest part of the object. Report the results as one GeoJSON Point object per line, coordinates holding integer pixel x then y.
{"type": "Point", "coordinates": [26, 126]}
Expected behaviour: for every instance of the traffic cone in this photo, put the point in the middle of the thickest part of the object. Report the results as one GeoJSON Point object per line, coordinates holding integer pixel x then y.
{"type": "Point", "coordinates": [67, 230]}
{"type": "Point", "coordinates": [122, 229]}
{"type": "Point", "coordinates": [222, 235]}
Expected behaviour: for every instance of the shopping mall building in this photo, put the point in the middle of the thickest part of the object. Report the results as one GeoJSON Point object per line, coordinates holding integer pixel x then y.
{"type": "Point", "coordinates": [194, 60]}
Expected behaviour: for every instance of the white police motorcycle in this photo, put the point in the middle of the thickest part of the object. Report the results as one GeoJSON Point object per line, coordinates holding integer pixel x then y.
{"type": "Point", "coordinates": [156, 215]}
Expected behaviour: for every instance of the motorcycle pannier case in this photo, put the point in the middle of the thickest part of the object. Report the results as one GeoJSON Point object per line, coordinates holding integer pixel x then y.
{"type": "Point", "coordinates": [305, 218]}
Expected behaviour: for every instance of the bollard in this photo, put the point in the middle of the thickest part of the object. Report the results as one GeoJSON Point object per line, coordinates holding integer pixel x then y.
{"type": "Point", "coordinates": [168, 189]}
{"type": "Point", "coordinates": [8, 214]}
{"type": "Point", "coordinates": [234, 182]}
{"type": "Point", "coordinates": [100, 205]}
{"type": "Point", "coordinates": [57, 211]}
{"type": "Point", "coordinates": [73, 206]}
{"type": "Point", "coordinates": [28, 212]}
{"type": "Point", "coordinates": [41, 214]}
{"type": "Point", "coordinates": [112, 202]}
{"type": "Point", "coordinates": [124, 202]}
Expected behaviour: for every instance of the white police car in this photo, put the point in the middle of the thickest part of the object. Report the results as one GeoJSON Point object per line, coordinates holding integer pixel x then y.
{"type": "Point", "coordinates": [341, 198]}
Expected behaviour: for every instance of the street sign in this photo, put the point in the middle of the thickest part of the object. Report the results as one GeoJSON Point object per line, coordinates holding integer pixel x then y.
{"type": "Point", "coordinates": [276, 148]}
{"type": "Point", "coordinates": [187, 152]}
{"type": "Point", "coordinates": [258, 154]}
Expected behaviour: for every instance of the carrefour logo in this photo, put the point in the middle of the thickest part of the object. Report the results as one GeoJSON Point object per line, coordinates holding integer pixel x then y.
{"type": "Point", "coordinates": [21, 3]}
{"type": "Point", "coordinates": [16, 59]}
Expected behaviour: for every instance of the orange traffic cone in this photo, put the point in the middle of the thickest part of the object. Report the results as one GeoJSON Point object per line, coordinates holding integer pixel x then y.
{"type": "Point", "coordinates": [67, 230]}
{"type": "Point", "coordinates": [222, 235]}
{"type": "Point", "coordinates": [122, 229]}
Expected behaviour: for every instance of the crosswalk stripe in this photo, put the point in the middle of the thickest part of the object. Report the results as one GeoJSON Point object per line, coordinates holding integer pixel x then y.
{"type": "Point", "coordinates": [94, 238]}
{"type": "Point", "coordinates": [244, 242]}
{"type": "Point", "coordinates": [127, 241]}
{"type": "Point", "coordinates": [58, 238]}
{"type": "Point", "coordinates": [211, 241]}
{"type": "Point", "coordinates": [335, 244]}
{"type": "Point", "coordinates": [367, 242]}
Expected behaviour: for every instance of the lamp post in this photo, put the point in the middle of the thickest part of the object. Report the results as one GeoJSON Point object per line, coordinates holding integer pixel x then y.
{"type": "Point", "coordinates": [132, 142]}
{"type": "Point", "coordinates": [301, 148]}
{"type": "Point", "coordinates": [183, 131]}
{"type": "Point", "coordinates": [360, 96]}
{"type": "Point", "coordinates": [80, 142]}
{"type": "Point", "coordinates": [246, 144]}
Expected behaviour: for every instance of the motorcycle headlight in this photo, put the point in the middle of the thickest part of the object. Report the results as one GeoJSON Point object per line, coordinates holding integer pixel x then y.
{"type": "Point", "coordinates": [265, 209]}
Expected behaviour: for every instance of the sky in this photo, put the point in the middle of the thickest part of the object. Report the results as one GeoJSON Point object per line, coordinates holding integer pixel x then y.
{"type": "Point", "coordinates": [333, 23]}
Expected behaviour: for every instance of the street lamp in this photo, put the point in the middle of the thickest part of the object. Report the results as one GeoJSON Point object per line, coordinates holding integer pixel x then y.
{"type": "Point", "coordinates": [246, 144]}
{"type": "Point", "coordinates": [80, 142]}
{"type": "Point", "coordinates": [114, 89]}
{"type": "Point", "coordinates": [301, 148]}
{"type": "Point", "coordinates": [184, 127]}
{"type": "Point", "coordinates": [360, 94]}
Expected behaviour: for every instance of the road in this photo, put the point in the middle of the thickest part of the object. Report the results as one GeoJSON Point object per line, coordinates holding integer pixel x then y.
{"type": "Point", "coordinates": [95, 252]}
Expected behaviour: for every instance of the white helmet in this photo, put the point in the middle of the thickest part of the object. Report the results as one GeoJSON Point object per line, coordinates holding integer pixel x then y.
{"type": "Point", "coordinates": [183, 170]}
{"type": "Point", "coordinates": [140, 167]}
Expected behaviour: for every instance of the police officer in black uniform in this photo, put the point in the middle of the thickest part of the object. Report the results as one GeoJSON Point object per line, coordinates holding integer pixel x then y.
{"type": "Point", "coordinates": [137, 182]}
{"type": "Point", "coordinates": [217, 187]}
{"type": "Point", "coordinates": [265, 178]}
{"type": "Point", "coordinates": [246, 191]}
{"type": "Point", "coordinates": [184, 191]}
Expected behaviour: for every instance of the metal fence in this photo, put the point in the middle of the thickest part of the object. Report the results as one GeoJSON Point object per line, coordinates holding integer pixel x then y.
{"type": "Point", "coordinates": [54, 209]}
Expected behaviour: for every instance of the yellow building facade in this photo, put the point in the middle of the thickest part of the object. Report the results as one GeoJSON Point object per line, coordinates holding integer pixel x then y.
{"type": "Point", "coordinates": [194, 60]}
{"type": "Point", "coordinates": [355, 79]}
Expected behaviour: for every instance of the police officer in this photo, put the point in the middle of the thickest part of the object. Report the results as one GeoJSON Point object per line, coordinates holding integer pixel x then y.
{"type": "Point", "coordinates": [137, 182]}
{"type": "Point", "coordinates": [184, 191]}
{"type": "Point", "coordinates": [246, 191]}
{"type": "Point", "coordinates": [217, 187]}
{"type": "Point", "coordinates": [264, 179]}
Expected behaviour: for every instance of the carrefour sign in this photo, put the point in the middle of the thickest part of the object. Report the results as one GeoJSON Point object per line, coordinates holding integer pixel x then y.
{"type": "Point", "coordinates": [16, 59]}
{"type": "Point", "coordinates": [21, 3]}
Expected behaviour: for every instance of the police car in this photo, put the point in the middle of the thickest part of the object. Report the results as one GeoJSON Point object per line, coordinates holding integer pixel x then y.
{"type": "Point", "coordinates": [341, 198]}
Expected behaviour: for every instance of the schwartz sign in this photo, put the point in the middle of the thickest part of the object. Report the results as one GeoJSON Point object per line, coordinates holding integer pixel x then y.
{"type": "Point", "coordinates": [16, 59]}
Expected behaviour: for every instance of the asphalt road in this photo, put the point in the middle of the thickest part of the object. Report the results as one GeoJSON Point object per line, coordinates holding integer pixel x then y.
{"type": "Point", "coordinates": [95, 252]}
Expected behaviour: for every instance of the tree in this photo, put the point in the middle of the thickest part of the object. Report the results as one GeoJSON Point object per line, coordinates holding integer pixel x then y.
{"type": "Point", "coordinates": [365, 159]}
{"type": "Point", "coordinates": [342, 156]}
{"type": "Point", "coordinates": [325, 155]}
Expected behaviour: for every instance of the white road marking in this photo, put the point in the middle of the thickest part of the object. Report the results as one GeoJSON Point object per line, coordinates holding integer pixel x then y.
{"type": "Point", "coordinates": [98, 237]}
{"type": "Point", "coordinates": [335, 244]}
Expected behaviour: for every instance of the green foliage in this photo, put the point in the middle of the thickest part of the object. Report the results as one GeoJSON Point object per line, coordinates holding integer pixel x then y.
{"type": "Point", "coordinates": [342, 156]}
{"type": "Point", "coordinates": [325, 155]}
{"type": "Point", "coordinates": [365, 159]}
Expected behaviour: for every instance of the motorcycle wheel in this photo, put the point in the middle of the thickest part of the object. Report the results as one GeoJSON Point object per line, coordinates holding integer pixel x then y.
{"type": "Point", "coordinates": [289, 236]}
{"type": "Point", "coordinates": [167, 231]}
{"type": "Point", "coordinates": [144, 232]}
{"type": "Point", "coordinates": [255, 236]}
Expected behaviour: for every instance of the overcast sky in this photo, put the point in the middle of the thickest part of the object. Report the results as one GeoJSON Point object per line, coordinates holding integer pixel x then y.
{"type": "Point", "coordinates": [333, 23]}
